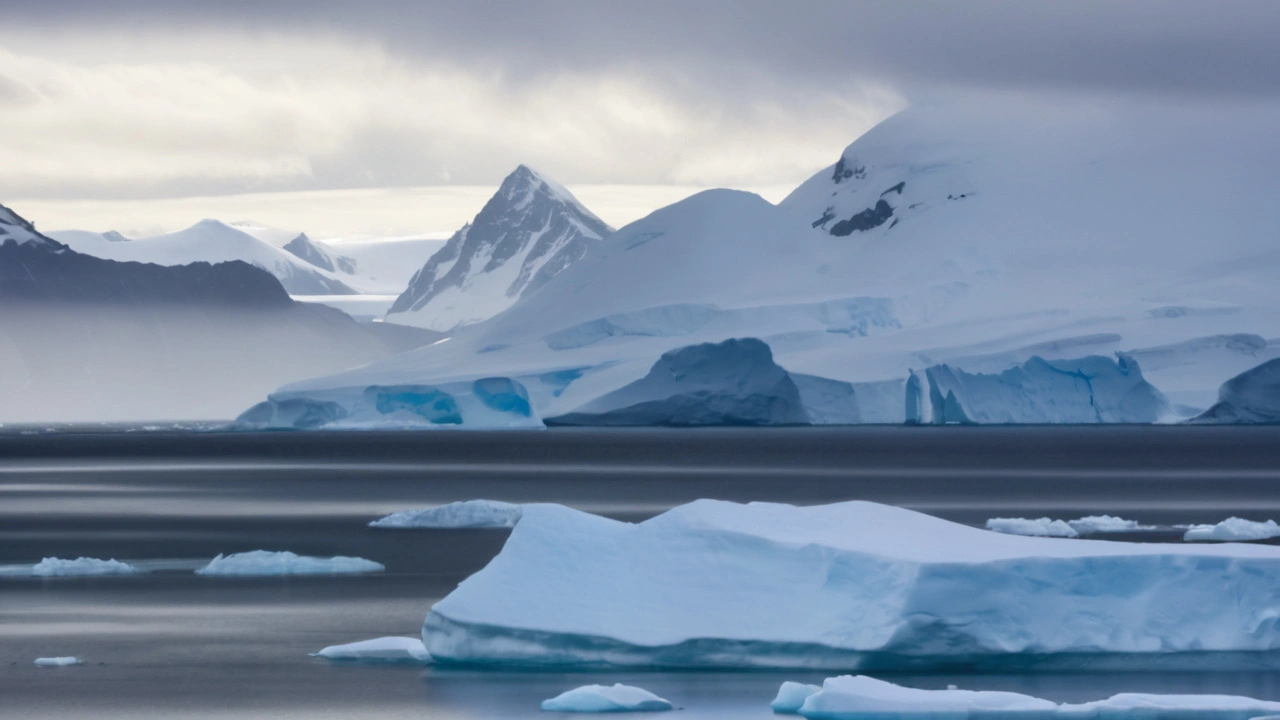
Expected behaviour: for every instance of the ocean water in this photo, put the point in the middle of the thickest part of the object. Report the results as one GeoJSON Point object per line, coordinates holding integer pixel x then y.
{"type": "Point", "coordinates": [170, 644]}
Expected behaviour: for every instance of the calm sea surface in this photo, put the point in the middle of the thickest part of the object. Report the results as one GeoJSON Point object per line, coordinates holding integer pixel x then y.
{"type": "Point", "coordinates": [170, 644]}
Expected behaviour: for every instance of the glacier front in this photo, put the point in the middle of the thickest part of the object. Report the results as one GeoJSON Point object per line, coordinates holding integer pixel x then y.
{"type": "Point", "coordinates": [850, 585]}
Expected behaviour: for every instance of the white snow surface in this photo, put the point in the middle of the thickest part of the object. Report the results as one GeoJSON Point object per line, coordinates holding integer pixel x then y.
{"type": "Point", "coordinates": [771, 585]}
{"type": "Point", "coordinates": [606, 699]}
{"type": "Point", "coordinates": [383, 649]}
{"type": "Point", "coordinates": [1038, 527]}
{"type": "Point", "coordinates": [858, 697]}
{"type": "Point", "coordinates": [15, 228]}
{"type": "Point", "coordinates": [81, 566]}
{"type": "Point", "coordinates": [211, 241]}
{"type": "Point", "coordinates": [464, 514]}
{"type": "Point", "coordinates": [269, 563]}
{"type": "Point", "coordinates": [64, 661]}
{"type": "Point", "coordinates": [1023, 231]}
{"type": "Point", "coordinates": [1234, 529]}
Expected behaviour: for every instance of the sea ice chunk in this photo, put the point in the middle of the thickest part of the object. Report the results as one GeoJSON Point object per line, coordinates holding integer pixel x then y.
{"type": "Point", "coordinates": [792, 695]}
{"type": "Point", "coordinates": [1038, 527]}
{"type": "Point", "coordinates": [863, 698]}
{"type": "Point", "coordinates": [265, 562]}
{"type": "Point", "coordinates": [81, 566]}
{"type": "Point", "coordinates": [605, 698]}
{"type": "Point", "coordinates": [58, 661]}
{"type": "Point", "coordinates": [1096, 524]}
{"type": "Point", "coordinates": [850, 585]}
{"type": "Point", "coordinates": [465, 514]}
{"type": "Point", "coordinates": [383, 649]}
{"type": "Point", "coordinates": [1234, 529]}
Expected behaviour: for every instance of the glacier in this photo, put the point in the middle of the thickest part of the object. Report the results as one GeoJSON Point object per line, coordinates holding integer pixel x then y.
{"type": "Point", "coordinates": [1250, 397]}
{"type": "Point", "coordinates": [464, 514]}
{"type": "Point", "coordinates": [850, 585]}
{"type": "Point", "coordinates": [379, 650]}
{"type": "Point", "coordinates": [1232, 530]}
{"type": "Point", "coordinates": [858, 697]}
{"type": "Point", "coordinates": [988, 284]}
{"type": "Point", "coordinates": [606, 699]}
{"type": "Point", "coordinates": [263, 563]}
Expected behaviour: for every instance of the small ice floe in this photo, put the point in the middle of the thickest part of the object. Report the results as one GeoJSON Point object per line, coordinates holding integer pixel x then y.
{"type": "Point", "coordinates": [1046, 527]}
{"type": "Point", "coordinates": [792, 695]}
{"type": "Point", "coordinates": [379, 650]}
{"type": "Point", "coordinates": [605, 699]}
{"type": "Point", "coordinates": [58, 661]}
{"type": "Point", "coordinates": [1038, 527]}
{"type": "Point", "coordinates": [81, 567]}
{"type": "Point", "coordinates": [850, 697]}
{"type": "Point", "coordinates": [265, 562]}
{"type": "Point", "coordinates": [465, 514]}
{"type": "Point", "coordinates": [1234, 529]}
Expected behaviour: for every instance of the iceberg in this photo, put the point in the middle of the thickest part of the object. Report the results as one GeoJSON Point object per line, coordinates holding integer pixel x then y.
{"type": "Point", "coordinates": [1097, 524]}
{"type": "Point", "coordinates": [1039, 527]}
{"type": "Point", "coordinates": [379, 650]}
{"type": "Point", "coordinates": [850, 585]}
{"type": "Point", "coordinates": [605, 698]}
{"type": "Point", "coordinates": [791, 697]}
{"type": "Point", "coordinates": [1092, 389]}
{"type": "Point", "coordinates": [1232, 530]}
{"type": "Point", "coordinates": [81, 567]}
{"type": "Point", "coordinates": [1248, 398]}
{"type": "Point", "coordinates": [859, 697]}
{"type": "Point", "coordinates": [465, 514]}
{"type": "Point", "coordinates": [66, 661]}
{"type": "Point", "coordinates": [735, 382]}
{"type": "Point", "coordinates": [260, 563]}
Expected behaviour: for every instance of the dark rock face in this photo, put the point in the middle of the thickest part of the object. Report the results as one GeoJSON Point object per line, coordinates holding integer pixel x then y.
{"type": "Point", "coordinates": [1252, 397]}
{"type": "Point", "coordinates": [735, 382]}
{"type": "Point", "coordinates": [526, 216]}
{"type": "Point", "coordinates": [872, 217]}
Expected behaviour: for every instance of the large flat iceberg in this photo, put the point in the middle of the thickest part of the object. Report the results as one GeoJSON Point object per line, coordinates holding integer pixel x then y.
{"type": "Point", "coordinates": [606, 699]}
{"type": "Point", "coordinates": [80, 567]}
{"type": "Point", "coordinates": [850, 697]}
{"type": "Point", "coordinates": [850, 585]}
{"type": "Point", "coordinates": [465, 514]}
{"type": "Point", "coordinates": [259, 563]}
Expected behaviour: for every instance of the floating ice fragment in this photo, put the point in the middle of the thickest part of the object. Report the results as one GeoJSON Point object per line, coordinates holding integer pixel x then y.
{"type": "Point", "coordinates": [1095, 524]}
{"type": "Point", "coordinates": [792, 695]}
{"type": "Point", "coordinates": [1039, 527]}
{"type": "Point", "coordinates": [81, 566]}
{"type": "Point", "coordinates": [466, 514]}
{"type": "Point", "coordinates": [604, 698]}
{"type": "Point", "coordinates": [58, 661]}
{"type": "Point", "coordinates": [1234, 529]}
{"type": "Point", "coordinates": [265, 562]}
{"type": "Point", "coordinates": [383, 649]}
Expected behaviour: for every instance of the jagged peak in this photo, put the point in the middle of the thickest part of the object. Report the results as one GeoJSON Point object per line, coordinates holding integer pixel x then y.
{"type": "Point", "coordinates": [518, 188]}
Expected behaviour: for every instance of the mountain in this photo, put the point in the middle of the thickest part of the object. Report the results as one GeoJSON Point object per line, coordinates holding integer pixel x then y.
{"type": "Point", "coordinates": [88, 339]}
{"type": "Point", "coordinates": [530, 231]}
{"type": "Point", "coordinates": [305, 248]}
{"type": "Point", "coordinates": [212, 241]}
{"type": "Point", "coordinates": [1011, 262]}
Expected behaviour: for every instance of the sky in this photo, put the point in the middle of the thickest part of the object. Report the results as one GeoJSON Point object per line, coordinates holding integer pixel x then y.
{"type": "Point", "coordinates": [398, 116]}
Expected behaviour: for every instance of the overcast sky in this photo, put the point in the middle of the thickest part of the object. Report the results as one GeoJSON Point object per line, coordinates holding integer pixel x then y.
{"type": "Point", "coordinates": [107, 105]}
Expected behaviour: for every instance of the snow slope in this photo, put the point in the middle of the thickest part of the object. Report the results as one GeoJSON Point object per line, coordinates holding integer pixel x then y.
{"type": "Point", "coordinates": [1018, 231]}
{"type": "Point", "coordinates": [17, 229]}
{"type": "Point", "coordinates": [212, 241]}
{"type": "Point", "coordinates": [531, 230]}
{"type": "Point", "coordinates": [849, 585]}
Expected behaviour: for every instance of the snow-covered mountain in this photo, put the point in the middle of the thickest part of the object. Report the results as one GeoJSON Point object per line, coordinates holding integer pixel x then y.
{"type": "Point", "coordinates": [961, 263]}
{"type": "Point", "coordinates": [317, 254]}
{"type": "Point", "coordinates": [527, 234]}
{"type": "Point", "coordinates": [212, 241]}
{"type": "Point", "coordinates": [83, 338]}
